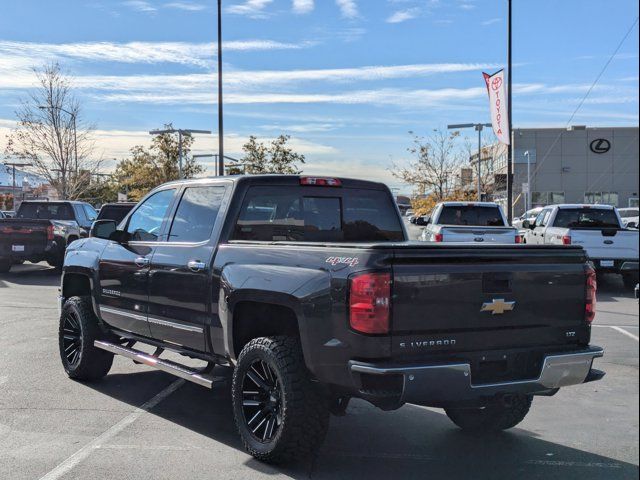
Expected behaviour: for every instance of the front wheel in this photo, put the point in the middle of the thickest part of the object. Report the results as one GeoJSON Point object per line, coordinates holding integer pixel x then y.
{"type": "Point", "coordinates": [492, 418]}
{"type": "Point", "coordinates": [77, 332]}
{"type": "Point", "coordinates": [279, 412]}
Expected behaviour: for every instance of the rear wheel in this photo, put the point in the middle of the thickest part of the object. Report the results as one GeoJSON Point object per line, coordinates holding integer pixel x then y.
{"type": "Point", "coordinates": [496, 417]}
{"type": "Point", "coordinates": [630, 280]}
{"type": "Point", "coordinates": [280, 413]}
{"type": "Point", "coordinates": [77, 332]}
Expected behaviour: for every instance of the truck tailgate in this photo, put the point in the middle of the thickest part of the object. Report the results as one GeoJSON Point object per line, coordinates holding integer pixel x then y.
{"type": "Point", "coordinates": [607, 244]}
{"type": "Point", "coordinates": [479, 234]}
{"type": "Point", "coordinates": [21, 237]}
{"type": "Point", "coordinates": [486, 297]}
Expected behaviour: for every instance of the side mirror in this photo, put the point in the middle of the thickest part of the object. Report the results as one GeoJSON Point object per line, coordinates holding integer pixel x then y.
{"type": "Point", "coordinates": [527, 224]}
{"type": "Point", "coordinates": [423, 221]}
{"type": "Point", "coordinates": [103, 229]}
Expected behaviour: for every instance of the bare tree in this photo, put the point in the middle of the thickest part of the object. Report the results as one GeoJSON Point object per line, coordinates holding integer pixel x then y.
{"type": "Point", "coordinates": [51, 135]}
{"type": "Point", "coordinates": [490, 154]}
{"type": "Point", "coordinates": [436, 165]}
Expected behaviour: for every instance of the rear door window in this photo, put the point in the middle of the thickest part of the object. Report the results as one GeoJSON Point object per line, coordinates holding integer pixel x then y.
{"type": "Point", "coordinates": [586, 218]}
{"type": "Point", "coordinates": [312, 214]}
{"type": "Point", "coordinates": [196, 214]}
{"type": "Point", "coordinates": [473, 215]}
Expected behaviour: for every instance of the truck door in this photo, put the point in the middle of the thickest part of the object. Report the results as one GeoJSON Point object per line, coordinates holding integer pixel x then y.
{"type": "Point", "coordinates": [124, 266]}
{"type": "Point", "coordinates": [541, 227]}
{"type": "Point", "coordinates": [180, 288]}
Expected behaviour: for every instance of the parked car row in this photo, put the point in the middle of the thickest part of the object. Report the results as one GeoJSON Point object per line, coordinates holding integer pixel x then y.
{"type": "Point", "coordinates": [609, 238]}
{"type": "Point", "coordinates": [42, 230]}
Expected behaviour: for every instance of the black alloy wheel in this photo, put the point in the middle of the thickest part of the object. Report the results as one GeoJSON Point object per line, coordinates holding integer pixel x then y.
{"type": "Point", "coordinates": [261, 401]}
{"type": "Point", "coordinates": [72, 338]}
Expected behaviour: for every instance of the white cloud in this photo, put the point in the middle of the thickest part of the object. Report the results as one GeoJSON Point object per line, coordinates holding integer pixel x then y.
{"type": "Point", "coordinates": [187, 6]}
{"type": "Point", "coordinates": [388, 96]}
{"type": "Point", "coordinates": [403, 15]}
{"type": "Point", "coordinates": [303, 6]}
{"type": "Point", "coordinates": [140, 6]}
{"type": "Point", "coordinates": [245, 79]}
{"type": "Point", "coordinates": [250, 8]}
{"type": "Point", "coordinates": [491, 21]}
{"type": "Point", "coordinates": [197, 54]}
{"type": "Point", "coordinates": [348, 8]}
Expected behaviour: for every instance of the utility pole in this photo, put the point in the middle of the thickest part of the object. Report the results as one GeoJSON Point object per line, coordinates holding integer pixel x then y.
{"type": "Point", "coordinates": [509, 119]}
{"type": "Point", "coordinates": [478, 127]}
{"type": "Point", "coordinates": [180, 133]}
{"type": "Point", "coordinates": [220, 108]}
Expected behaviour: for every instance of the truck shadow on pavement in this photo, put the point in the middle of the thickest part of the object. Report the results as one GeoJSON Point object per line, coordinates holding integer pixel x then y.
{"type": "Point", "coordinates": [412, 442]}
{"type": "Point", "coordinates": [39, 274]}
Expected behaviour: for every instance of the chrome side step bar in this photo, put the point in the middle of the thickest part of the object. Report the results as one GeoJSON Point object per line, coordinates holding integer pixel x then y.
{"type": "Point", "coordinates": [192, 375]}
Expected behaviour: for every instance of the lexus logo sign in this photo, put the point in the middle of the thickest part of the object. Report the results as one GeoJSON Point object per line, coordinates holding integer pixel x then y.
{"type": "Point", "coordinates": [600, 145]}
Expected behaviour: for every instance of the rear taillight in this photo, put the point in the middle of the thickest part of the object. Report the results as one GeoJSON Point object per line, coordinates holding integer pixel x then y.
{"type": "Point", "coordinates": [518, 239]}
{"type": "Point", "coordinates": [50, 232]}
{"type": "Point", "coordinates": [592, 288]}
{"type": "Point", "coordinates": [369, 300]}
{"type": "Point", "coordinates": [320, 181]}
{"type": "Point", "coordinates": [566, 240]}
{"type": "Point", "coordinates": [438, 237]}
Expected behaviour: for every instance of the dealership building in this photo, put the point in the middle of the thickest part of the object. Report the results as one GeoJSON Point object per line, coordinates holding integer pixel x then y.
{"type": "Point", "coordinates": [575, 165]}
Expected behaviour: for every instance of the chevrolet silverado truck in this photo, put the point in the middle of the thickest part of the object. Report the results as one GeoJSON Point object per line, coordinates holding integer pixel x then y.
{"type": "Point", "coordinates": [42, 230]}
{"type": "Point", "coordinates": [308, 288]}
{"type": "Point", "coordinates": [479, 222]}
{"type": "Point", "coordinates": [612, 247]}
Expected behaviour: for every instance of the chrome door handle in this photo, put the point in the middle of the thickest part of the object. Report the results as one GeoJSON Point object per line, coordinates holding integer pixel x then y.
{"type": "Point", "coordinates": [141, 261]}
{"type": "Point", "coordinates": [196, 266]}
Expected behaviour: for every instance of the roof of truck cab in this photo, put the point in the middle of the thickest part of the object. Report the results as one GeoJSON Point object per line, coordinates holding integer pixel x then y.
{"type": "Point", "coordinates": [583, 205]}
{"type": "Point", "coordinates": [469, 204]}
{"type": "Point", "coordinates": [275, 179]}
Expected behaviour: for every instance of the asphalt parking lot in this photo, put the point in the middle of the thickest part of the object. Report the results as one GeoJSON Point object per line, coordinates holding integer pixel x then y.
{"type": "Point", "coordinates": [140, 423]}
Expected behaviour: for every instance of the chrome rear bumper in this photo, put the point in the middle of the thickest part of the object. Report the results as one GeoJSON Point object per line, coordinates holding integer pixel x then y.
{"type": "Point", "coordinates": [447, 383]}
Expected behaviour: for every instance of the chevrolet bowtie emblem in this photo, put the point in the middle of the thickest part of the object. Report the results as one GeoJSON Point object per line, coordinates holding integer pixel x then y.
{"type": "Point", "coordinates": [497, 306]}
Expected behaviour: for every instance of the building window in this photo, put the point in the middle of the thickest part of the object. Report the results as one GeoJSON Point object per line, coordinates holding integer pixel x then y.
{"type": "Point", "coordinates": [547, 198]}
{"type": "Point", "coordinates": [602, 198]}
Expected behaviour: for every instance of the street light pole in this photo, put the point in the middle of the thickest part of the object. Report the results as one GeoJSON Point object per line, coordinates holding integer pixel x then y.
{"type": "Point", "coordinates": [220, 106]}
{"type": "Point", "coordinates": [478, 127]}
{"type": "Point", "coordinates": [180, 132]}
{"type": "Point", "coordinates": [528, 205]}
{"type": "Point", "coordinates": [509, 120]}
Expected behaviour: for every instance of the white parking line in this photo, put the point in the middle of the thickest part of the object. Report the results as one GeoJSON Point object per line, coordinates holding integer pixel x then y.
{"type": "Point", "coordinates": [628, 334]}
{"type": "Point", "coordinates": [85, 451]}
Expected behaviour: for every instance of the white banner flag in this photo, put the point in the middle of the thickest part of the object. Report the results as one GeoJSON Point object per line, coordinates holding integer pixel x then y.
{"type": "Point", "coordinates": [498, 105]}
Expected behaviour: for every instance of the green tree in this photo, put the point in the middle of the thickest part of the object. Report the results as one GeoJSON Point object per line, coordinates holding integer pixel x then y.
{"type": "Point", "coordinates": [275, 157]}
{"type": "Point", "coordinates": [149, 167]}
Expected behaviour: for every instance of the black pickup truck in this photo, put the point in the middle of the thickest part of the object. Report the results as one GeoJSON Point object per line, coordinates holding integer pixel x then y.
{"type": "Point", "coordinates": [42, 230]}
{"type": "Point", "coordinates": [308, 288]}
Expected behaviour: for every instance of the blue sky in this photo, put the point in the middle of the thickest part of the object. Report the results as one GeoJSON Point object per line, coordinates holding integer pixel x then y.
{"type": "Point", "coordinates": [347, 79]}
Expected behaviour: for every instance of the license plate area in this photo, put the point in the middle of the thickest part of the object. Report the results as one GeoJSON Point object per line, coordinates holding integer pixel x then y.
{"type": "Point", "coordinates": [17, 248]}
{"type": "Point", "coordinates": [607, 263]}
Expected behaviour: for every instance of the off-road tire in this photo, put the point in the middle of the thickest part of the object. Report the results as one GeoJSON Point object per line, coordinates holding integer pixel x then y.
{"type": "Point", "coordinates": [492, 418]}
{"type": "Point", "coordinates": [630, 280]}
{"type": "Point", "coordinates": [91, 363]}
{"type": "Point", "coordinates": [5, 265]}
{"type": "Point", "coordinates": [304, 409]}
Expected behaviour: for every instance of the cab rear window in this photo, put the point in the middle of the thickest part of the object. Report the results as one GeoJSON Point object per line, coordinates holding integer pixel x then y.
{"type": "Point", "coordinates": [586, 218]}
{"type": "Point", "coordinates": [475, 215]}
{"type": "Point", "coordinates": [45, 211]}
{"type": "Point", "coordinates": [316, 214]}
